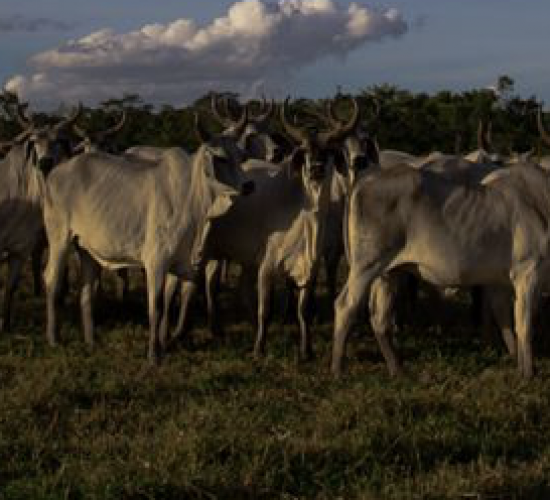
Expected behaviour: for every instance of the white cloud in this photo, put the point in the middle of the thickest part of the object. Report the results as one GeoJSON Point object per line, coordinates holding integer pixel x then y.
{"type": "Point", "coordinates": [176, 62]}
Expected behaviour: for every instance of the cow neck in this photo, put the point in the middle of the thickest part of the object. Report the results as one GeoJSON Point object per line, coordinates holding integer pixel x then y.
{"type": "Point", "coordinates": [307, 234]}
{"type": "Point", "coordinates": [529, 185]}
{"type": "Point", "coordinates": [196, 226]}
{"type": "Point", "coordinates": [201, 195]}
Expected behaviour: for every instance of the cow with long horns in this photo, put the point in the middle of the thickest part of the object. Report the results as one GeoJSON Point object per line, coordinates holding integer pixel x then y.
{"type": "Point", "coordinates": [32, 156]}
{"type": "Point", "coordinates": [124, 212]}
{"type": "Point", "coordinates": [279, 229]}
{"type": "Point", "coordinates": [100, 140]}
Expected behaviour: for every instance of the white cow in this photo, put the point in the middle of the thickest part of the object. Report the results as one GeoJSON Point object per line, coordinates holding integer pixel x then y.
{"type": "Point", "coordinates": [123, 213]}
{"type": "Point", "coordinates": [279, 229]}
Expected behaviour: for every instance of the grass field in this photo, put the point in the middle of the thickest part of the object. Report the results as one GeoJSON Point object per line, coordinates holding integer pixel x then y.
{"type": "Point", "coordinates": [212, 422]}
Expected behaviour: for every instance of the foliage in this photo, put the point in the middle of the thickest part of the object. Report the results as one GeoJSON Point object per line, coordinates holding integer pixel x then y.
{"type": "Point", "coordinates": [415, 122]}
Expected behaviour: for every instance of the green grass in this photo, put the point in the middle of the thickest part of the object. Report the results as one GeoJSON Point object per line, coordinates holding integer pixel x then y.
{"type": "Point", "coordinates": [212, 422]}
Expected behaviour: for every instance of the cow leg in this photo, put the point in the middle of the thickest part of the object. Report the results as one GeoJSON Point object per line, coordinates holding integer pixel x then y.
{"type": "Point", "coordinates": [525, 287]}
{"type": "Point", "coordinates": [331, 268]}
{"type": "Point", "coordinates": [500, 304]}
{"type": "Point", "coordinates": [36, 262]}
{"type": "Point", "coordinates": [212, 275]}
{"type": "Point", "coordinates": [381, 304]}
{"type": "Point", "coordinates": [156, 278]}
{"type": "Point", "coordinates": [409, 286]}
{"type": "Point", "coordinates": [247, 287]}
{"type": "Point", "coordinates": [90, 273]}
{"type": "Point", "coordinates": [304, 318]}
{"type": "Point", "coordinates": [15, 263]}
{"type": "Point", "coordinates": [224, 272]}
{"type": "Point", "coordinates": [477, 308]}
{"type": "Point", "coordinates": [347, 307]}
{"type": "Point", "coordinates": [187, 292]}
{"type": "Point", "coordinates": [123, 284]}
{"type": "Point", "coordinates": [288, 301]}
{"type": "Point", "coordinates": [170, 285]}
{"type": "Point", "coordinates": [264, 302]}
{"type": "Point", "coordinates": [53, 275]}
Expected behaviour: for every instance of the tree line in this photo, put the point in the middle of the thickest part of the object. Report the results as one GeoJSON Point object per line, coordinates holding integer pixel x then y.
{"type": "Point", "coordinates": [416, 122]}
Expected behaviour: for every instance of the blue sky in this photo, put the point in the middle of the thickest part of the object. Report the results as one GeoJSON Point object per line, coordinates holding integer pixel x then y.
{"type": "Point", "coordinates": [446, 44]}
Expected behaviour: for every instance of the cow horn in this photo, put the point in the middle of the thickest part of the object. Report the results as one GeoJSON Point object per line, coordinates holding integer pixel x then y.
{"type": "Point", "coordinates": [240, 125]}
{"type": "Point", "coordinates": [22, 136]}
{"type": "Point", "coordinates": [266, 112]}
{"type": "Point", "coordinates": [79, 131]}
{"type": "Point", "coordinates": [342, 129]}
{"type": "Point", "coordinates": [6, 145]}
{"type": "Point", "coordinates": [330, 117]}
{"type": "Point", "coordinates": [296, 133]}
{"type": "Point", "coordinates": [323, 118]}
{"type": "Point", "coordinates": [21, 117]}
{"type": "Point", "coordinates": [116, 128]}
{"type": "Point", "coordinates": [216, 112]}
{"type": "Point", "coordinates": [80, 147]}
{"type": "Point", "coordinates": [71, 119]}
{"type": "Point", "coordinates": [200, 131]}
{"type": "Point", "coordinates": [377, 107]}
{"type": "Point", "coordinates": [489, 136]}
{"type": "Point", "coordinates": [545, 136]}
{"type": "Point", "coordinates": [226, 109]}
{"type": "Point", "coordinates": [482, 136]}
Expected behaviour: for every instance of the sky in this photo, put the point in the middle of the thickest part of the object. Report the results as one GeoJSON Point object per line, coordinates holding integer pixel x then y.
{"type": "Point", "coordinates": [174, 51]}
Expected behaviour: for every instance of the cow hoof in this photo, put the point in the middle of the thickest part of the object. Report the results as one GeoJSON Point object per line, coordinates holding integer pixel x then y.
{"type": "Point", "coordinates": [397, 372]}
{"type": "Point", "coordinates": [154, 358]}
{"type": "Point", "coordinates": [336, 371]}
{"type": "Point", "coordinates": [258, 354]}
{"type": "Point", "coordinates": [52, 340]}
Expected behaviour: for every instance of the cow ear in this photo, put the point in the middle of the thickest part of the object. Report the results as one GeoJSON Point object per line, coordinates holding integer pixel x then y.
{"type": "Point", "coordinates": [295, 163]}
{"type": "Point", "coordinates": [30, 153]}
{"type": "Point", "coordinates": [372, 151]}
{"type": "Point", "coordinates": [208, 163]}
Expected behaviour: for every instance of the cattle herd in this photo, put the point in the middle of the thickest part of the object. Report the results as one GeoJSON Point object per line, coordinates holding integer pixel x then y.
{"type": "Point", "coordinates": [276, 204]}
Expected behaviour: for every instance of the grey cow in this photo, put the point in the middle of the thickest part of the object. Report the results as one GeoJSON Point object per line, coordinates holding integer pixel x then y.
{"type": "Point", "coordinates": [32, 154]}
{"type": "Point", "coordinates": [450, 234]}
{"type": "Point", "coordinates": [545, 136]}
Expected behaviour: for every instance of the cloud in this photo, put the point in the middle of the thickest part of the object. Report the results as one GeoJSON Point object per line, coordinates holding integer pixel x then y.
{"type": "Point", "coordinates": [18, 23]}
{"type": "Point", "coordinates": [254, 44]}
